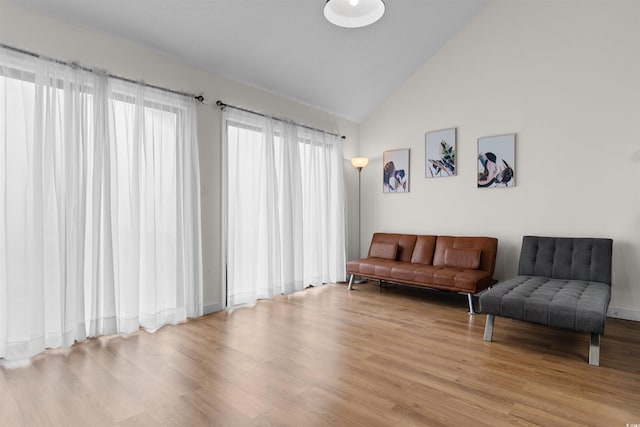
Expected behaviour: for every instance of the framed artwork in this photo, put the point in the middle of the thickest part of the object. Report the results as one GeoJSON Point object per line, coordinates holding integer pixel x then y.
{"type": "Point", "coordinates": [496, 161]}
{"type": "Point", "coordinates": [440, 153]}
{"type": "Point", "coordinates": [395, 174]}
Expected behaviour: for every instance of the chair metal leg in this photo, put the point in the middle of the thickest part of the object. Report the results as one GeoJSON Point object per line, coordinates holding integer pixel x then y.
{"type": "Point", "coordinates": [488, 327]}
{"type": "Point", "coordinates": [470, 299]}
{"type": "Point", "coordinates": [594, 350]}
{"type": "Point", "coordinates": [351, 282]}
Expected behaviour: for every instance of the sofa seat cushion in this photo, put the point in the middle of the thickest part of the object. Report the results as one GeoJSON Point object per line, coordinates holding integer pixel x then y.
{"type": "Point", "coordinates": [383, 268]}
{"type": "Point", "coordinates": [353, 267]}
{"type": "Point", "coordinates": [446, 276]}
{"type": "Point", "coordinates": [424, 274]}
{"type": "Point", "coordinates": [473, 280]}
{"type": "Point", "coordinates": [363, 266]}
{"type": "Point", "coordinates": [462, 280]}
{"type": "Point", "coordinates": [374, 267]}
{"type": "Point", "coordinates": [405, 271]}
{"type": "Point", "coordinates": [571, 304]}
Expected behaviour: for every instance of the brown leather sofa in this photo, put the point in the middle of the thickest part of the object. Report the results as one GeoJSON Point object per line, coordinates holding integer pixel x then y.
{"type": "Point", "coordinates": [458, 264]}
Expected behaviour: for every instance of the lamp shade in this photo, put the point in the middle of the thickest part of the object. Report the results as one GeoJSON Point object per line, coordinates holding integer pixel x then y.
{"type": "Point", "coordinates": [353, 13]}
{"type": "Point", "coordinates": [359, 162]}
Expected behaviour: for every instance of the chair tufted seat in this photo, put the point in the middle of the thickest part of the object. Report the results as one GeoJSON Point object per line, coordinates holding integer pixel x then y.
{"type": "Point", "coordinates": [571, 304]}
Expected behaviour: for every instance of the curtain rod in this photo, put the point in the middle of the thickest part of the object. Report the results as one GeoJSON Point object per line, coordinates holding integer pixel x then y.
{"type": "Point", "coordinates": [222, 106]}
{"type": "Point", "coordinates": [199, 98]}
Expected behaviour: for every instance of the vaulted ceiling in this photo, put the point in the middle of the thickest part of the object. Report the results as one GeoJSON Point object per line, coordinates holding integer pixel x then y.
{"type": "Point", "coordinates": [285, 47]}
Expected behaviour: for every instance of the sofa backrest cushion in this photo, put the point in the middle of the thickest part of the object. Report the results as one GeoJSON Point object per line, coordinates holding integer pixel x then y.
{"type": "Point", "coordinates": [487, 245]}
{"type": "Point", "coordinates": [423, 251]}
{"type": "Point", "coordinates": [567, 258]}
{"type": "Point", "coordinates": [383, 250]}
{"type": "Point", "coordinates": [406, 243]}
{"type": "Point", "coordinates": [466, 258]}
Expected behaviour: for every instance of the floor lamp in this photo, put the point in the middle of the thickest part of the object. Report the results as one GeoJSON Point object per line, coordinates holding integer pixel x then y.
{"type": "Point", "coordinates": [359, 163]}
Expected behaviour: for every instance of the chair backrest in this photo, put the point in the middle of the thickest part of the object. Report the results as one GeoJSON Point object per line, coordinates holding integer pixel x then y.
{"type": "Point", "coordinates": [567, 258]}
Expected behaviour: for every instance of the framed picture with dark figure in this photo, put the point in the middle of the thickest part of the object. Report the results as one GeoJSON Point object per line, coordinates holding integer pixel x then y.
{"type": "Point", "coordinates": [496, 161]}
{"type": "Point", "coordinates": [395, 173]}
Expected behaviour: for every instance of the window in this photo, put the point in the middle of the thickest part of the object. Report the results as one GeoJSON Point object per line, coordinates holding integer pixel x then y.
{"type": "Point", "coordinates": [99, 206]}
{"type": "Point", "coordinates": [285, 222]}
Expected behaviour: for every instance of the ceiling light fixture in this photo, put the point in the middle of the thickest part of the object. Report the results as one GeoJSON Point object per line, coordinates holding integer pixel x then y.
{"type": "Point", "coordinates": [353, 13]}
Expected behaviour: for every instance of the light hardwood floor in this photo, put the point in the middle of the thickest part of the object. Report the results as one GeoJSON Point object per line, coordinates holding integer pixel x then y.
{"type": "Point", "coordinates": [327, 357]}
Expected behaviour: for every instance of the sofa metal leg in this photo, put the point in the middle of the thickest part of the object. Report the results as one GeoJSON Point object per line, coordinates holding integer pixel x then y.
{"type": "Point", "coordinates": [488, 327]}
{"type": "Point", "coordinates": [594, 350]}
{"type": "Point", "coordinates": [470, 299]}
{"type": "Point", "coordinates": [350, 283]}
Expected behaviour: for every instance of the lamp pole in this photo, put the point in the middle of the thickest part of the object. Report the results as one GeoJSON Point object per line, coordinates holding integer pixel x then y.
{"type": "Point", "coordinates": [359, 163]}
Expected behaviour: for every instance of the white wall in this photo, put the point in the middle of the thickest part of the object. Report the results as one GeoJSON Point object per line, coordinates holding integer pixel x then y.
{"type": "Point", "coordinates": [31, 31]}
{"type": "Point", "coordinates": [565, 77]}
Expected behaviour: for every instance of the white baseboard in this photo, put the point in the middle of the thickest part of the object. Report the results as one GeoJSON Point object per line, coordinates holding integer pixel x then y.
{"type": "Point", "coordinates": [624, 313]}
{"type": "Point", "coordinates": [212, 308]}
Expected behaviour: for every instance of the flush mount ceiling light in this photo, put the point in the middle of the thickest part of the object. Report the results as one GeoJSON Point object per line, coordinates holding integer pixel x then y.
{"type": "Point", "coordinates": [353, 13]}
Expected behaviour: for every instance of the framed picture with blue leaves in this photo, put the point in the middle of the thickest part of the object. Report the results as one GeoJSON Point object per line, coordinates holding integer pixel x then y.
{"type": "Point", "coordinates": [440, 153]}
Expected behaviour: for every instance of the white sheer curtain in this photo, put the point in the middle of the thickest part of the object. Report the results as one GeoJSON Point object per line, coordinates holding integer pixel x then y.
{"type": "Point", "coordinates": [285, 207]}
{"type": "Point", "coordinates": [99, 207]}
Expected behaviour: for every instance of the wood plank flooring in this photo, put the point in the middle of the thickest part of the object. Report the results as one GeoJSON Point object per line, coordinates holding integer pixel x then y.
{"type": "Point", "coordinates": [327, 357]}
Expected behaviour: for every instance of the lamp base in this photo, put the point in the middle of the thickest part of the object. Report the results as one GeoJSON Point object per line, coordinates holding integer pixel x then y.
{"type": "Point", "coordinates": [360, 280]}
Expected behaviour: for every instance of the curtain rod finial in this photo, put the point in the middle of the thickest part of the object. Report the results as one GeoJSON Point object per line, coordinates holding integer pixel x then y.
{"type": "Point", "coordinates": [202, 99]}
